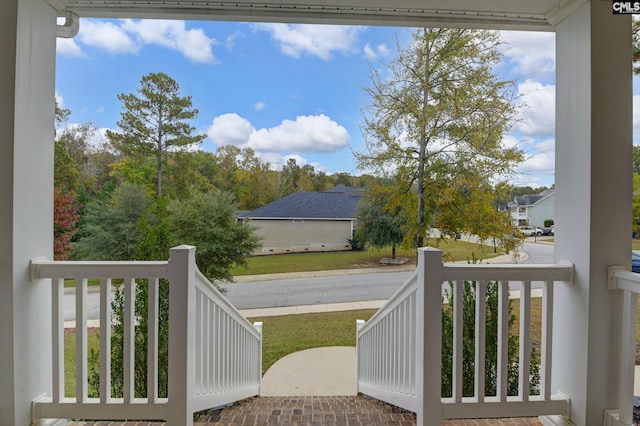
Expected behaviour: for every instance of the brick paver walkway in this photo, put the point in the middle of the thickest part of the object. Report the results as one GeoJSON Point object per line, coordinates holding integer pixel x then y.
{"type": "Point", "coordinates": [316, 411]}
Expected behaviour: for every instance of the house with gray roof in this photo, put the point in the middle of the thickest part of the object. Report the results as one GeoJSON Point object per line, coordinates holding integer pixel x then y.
{"type": "Point", "coordinates": [307, 221]}
{"type": "Point", "coordinates": [533, 209]}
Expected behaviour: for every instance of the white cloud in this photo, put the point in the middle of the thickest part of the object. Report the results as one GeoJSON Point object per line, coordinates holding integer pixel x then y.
{"type": "Point", "coordinates": [541, 163]}
{"type": "Point", "coordinates": [230, 42]}
{"type": "Point", "coordinates": [530, 53]}
{"type": "Point", "coordinates": [69, 48]}
{"type": "Point", "coordinates": [259, 106]}
{"type": "Point", "coordinates": [509, 141]}
{"type": "Point", "coordinates": [129, 36]}
{"type": "Point", "coordinates": [277, 161]}
{"type": "Point", "coordinates": [317, 133]}
{"type": "Point", "coordinates": [106, 35]}
{"type": "Point", "coordinates": [316, 40]}
{"type": "Point", "coordinates": [59, 99]}
{"type": "Point", "coordinates": [231, 129]}
{"type": "Point", "coordinates": [307, 134]}
{"type": "Point", "coordinates": [539, 105]}
{"type": "Point", "coordinates": [193, 43]}
{"type": "Point", "coordinates": [376, 52]}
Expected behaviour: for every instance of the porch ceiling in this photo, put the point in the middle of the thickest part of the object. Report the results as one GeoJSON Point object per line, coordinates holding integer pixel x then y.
{"type": "Point", "coordinates": [498, 14]}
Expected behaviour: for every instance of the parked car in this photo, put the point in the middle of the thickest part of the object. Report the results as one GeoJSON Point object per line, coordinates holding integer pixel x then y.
{"type": "Point", "coordinates": [635, 262]}
{"type": "Point", "coordinates": [529, 231]}
{"type": "Point", "coordinates": [548, 231]}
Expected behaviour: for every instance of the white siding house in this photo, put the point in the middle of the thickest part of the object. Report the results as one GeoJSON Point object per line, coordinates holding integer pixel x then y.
{"type": "Point", "coordinates": [533, 209]}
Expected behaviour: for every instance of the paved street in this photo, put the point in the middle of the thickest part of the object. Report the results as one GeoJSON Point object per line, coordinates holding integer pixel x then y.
{"type": "Point", "coordinates": [312, 290]}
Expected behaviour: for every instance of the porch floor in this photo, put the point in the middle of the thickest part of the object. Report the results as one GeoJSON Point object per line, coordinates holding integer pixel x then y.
{"type": "Point", "coordinates": [316, 411]}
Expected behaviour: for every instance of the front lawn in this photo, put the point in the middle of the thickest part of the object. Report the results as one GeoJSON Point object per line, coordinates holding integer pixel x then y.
{"type": "Point", "coordinates": [453, 250]}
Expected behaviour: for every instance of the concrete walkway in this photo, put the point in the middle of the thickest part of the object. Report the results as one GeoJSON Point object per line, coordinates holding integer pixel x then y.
{"type": "Point", "coordinates": [328, 371]}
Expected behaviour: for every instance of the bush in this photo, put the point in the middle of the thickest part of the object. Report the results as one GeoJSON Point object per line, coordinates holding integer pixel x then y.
{"type": "Point", "coordinates": [491, 346]}
{"type": "Point", "coordinates": [548, 223]}
{"type": "Point", "coordinates": [357, 242]}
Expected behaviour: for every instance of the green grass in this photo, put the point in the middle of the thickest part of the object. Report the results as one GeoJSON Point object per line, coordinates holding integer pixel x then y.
{"type": "Point", "coordinates": [70, 358]}
{"type": "Point", "coordinates": [453, 250]}
{"type": "Point", "coordinates": [72, 282]}
{"type": "Point", "coordinates": [284, 335]}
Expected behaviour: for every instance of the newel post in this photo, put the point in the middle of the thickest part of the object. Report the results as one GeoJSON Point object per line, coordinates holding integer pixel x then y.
{"type": "Point", "coordinates": [359, 325]}
{"type": "Point", "coordinates": [429, 336]}
{"type": "Point", "coordinates": [182, 267]}
{"type": "Point", "coordinates": [258, 327]}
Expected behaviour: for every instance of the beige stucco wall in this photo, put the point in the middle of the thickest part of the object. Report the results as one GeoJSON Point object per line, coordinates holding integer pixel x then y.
{"type": "Point", "coordinates": [287, 235]}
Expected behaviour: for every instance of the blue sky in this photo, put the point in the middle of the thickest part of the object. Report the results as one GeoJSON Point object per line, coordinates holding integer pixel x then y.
{"type": "Point", "coordinates": [284, 90]}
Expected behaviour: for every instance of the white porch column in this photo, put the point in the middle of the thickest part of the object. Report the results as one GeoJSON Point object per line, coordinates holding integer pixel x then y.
{"type": "Point", "coordinates": [593, 202]}
{"type": "Point", "coordinates": [27, 69]}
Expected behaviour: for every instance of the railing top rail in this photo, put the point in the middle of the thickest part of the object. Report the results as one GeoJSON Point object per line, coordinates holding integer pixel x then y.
{"type": "Point", "coordinates": [44, 268]}
{"type": "Point", "coordinates": [224, 303]}
{"type": "Point", "coordinates": [622, 279]}
{"type": "Point", "coordinates": [509, 272]}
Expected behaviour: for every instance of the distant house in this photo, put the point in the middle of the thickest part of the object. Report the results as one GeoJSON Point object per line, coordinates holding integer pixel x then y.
{"type": "Point", "coordinates": [307, 221]}
{"type": "Point", "coordinates": [533, 209]}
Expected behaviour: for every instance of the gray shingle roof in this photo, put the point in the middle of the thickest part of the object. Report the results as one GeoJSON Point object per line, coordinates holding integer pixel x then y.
{"type": "Point", "coordinates": [531, 199]}
{"type": "Point", "coordinates": [337, 203]}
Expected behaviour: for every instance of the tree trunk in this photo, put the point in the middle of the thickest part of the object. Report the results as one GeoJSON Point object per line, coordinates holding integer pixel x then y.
{"type": "Point", "coordinates": [422, 153]}
{"type": "Point", "coordinates": [159, 166]}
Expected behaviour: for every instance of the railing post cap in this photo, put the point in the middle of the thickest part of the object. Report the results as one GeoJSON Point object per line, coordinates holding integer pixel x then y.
{"type": "Point", "coordinates": [183, 247]}
{"type": "Point", "coordinates": [611, 272]}
{"type": "Point", "coordinates": [428, 249]}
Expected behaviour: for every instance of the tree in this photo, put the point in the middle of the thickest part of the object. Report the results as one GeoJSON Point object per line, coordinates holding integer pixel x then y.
{"type": "Point", "coordinates": [153, 243]}
{"type": "Point", "coordinates": [65, 220]}
{"type": "Point", "coordinates": [61, 114]}
{"type": "Point", "coordinates": [207, 220]}
{"type": "Point", "coordinates": [155, 121]}
{"type": "Point", "coordinates": [377, 225]}
{"type": "Point", "coordinates": [191, 169]}
{"type": "Point", "coordinates": [110, 230]}
{"type": "Point", "coordinates": [635, 48]}
{"type": "Point", "coordinates": [74, 166]}
{"type": "Point", "coordinates": [289, 178]}
{"type": "Point", "coordinates": [439, 118]}
{"type": "Point", "coordinates": [256, 182]}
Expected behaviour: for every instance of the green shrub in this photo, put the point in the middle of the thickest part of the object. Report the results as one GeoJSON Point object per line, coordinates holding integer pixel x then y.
{"type": "Point", "coordinates": [491, 346]}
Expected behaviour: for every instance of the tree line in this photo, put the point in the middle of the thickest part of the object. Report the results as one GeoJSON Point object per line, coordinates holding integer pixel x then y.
{"type": "Point", "coordinates": [102, 192]}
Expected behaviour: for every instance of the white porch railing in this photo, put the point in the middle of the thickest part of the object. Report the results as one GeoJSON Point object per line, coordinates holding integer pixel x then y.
{"type": "Point", "coordinates": [628, 283]}
{"type": "Point", "coordinates": [399, 350]}
{"type": "Point", "coordinates": [214, 352]}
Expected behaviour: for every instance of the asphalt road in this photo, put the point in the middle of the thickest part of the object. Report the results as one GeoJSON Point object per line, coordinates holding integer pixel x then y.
{"type": "Point", "coordinates": [342, 288]}
{"type": "Point", "coordinates": [313, 290]}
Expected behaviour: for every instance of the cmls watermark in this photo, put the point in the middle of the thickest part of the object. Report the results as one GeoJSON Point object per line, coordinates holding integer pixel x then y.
{"type": "Point", "coordinates": [626, 7]}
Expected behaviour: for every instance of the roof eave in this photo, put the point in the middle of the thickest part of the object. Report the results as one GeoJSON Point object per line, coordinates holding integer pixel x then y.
{"type": "Point", "coordinates": [300, 13]}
